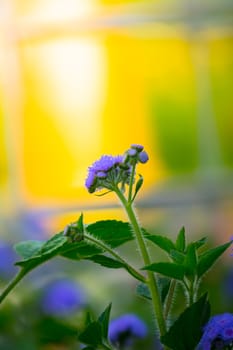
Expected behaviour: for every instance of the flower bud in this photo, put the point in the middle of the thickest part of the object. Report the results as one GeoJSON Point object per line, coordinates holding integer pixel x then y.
{"type": "Point", "coordinates": [143, 157]}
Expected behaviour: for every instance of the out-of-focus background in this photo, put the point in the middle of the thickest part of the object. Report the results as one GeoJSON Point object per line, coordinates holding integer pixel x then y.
{"type": "Point", "coordinates": [82, 78]}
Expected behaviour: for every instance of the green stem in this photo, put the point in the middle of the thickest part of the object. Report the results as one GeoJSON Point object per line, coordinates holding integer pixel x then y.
{"type": "Point", "coordinates": [105, 247]}
{"type": "Point", "coordinates": [12, 284]}
{"type": "Point", "coordinates": [152, 284]}
{"type": "Point", "coordinates": [131, 183]}
{"type": "Point", "coordinates": [169, 298]}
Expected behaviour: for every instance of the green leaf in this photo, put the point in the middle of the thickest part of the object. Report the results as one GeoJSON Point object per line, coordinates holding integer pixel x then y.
{"type": "Point", "coordinates": [106, 261]}
{"type": "Point", "coordinates": [200, 242]}
{"type": "Point", "coordinates": [207, 259]}
{"type": "Point", "coordinates": [138, 186]}
{"type": "Point", "coordinates": [79, 250]}
{"type": "Point", "coordinates": [104, 321]}
{"type": "Point", "coordinates": [180, 241]}
{"type": "Point", "coordinates": [92, 335]}
{"type": "Point", "coordinates": [143, 291]}
{"type": "Point", "coordinates": [168, 269]}
{"type": "Point", "coordinates": [164, 285]}
{"type": "Point", "coordinates": [186, 331]}
{"type": "Point", "coordinates": [46, 252]}
{"type": "Point", "coordinates": [112, 232]}
{"type": "Point", "coordinates": [26, 249]}
{"type": "Point", "coordinates": [162, 242]}
{"type": "Point", "coordinates": [177, 256]}
{"type": "Point", "coordinates": [191, 260]}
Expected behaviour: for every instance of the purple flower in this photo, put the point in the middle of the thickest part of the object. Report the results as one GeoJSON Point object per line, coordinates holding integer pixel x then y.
{"type": "Point", "coordinates": [7, 259]}
{"type": "Point", "coordinates": [218, 333]}
{"type": "Point", "coordinates": [62, 297]}
{"type": "Point", "coordinates": [125, 329]}
{"type": "Point", "coordinates": [99, 170]}
{"type": "Point", "coordinates": [110, 171]}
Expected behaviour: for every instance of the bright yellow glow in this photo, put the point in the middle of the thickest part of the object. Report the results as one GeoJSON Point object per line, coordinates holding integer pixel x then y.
{"type": "Point", "coordinates": [77, 82]}
{"type": "Point", "coordinates": [55, 10]}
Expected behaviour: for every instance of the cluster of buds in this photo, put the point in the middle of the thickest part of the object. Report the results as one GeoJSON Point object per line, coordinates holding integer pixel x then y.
{"type": "Point", "coordinates": [110, 171]}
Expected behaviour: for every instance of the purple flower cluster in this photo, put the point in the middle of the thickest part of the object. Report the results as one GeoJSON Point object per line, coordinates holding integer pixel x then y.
{"type": "Point", "coordinates": [99, 170]}
{"type": "Point", "coordinates": [109, 171]}
{"type": "Point", "coordinates": [125, 329]}
{"type": "Point", "coordinates": [62, 297]}
{"type": "Point", "coordinates": [218, 333]}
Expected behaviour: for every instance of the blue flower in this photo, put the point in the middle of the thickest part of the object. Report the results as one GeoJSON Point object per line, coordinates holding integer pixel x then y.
{"type": "Point", "coordinates": [62, 297]}
{"type": "Point", "coordinates": [218, 333]}
{"type": "Point", "coordinates": [125, 329]}
{"type": "Point", "coordinates": [7, 259]}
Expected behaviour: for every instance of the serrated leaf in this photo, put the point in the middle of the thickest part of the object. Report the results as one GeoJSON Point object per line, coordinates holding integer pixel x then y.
{"type": "Point", "coordinates": [168, 269]}
{"type": "Point", "coordinates": [143, 291]}
{"type": "Point", "coordinates": [207, 259]}
{"type": "Point", "coordinates": [92, 335]}
{"type": "Point", "coordinates": [79, 250]}
{"type": "Point", "coordinates": [106, 261]}
{"type": "Point", "coordinates": [161, 241]}
{"type": "Point", "coordinates": [180, 241]}
{"type": "Point", "coordinates": [112, 232]}
{"type": "Point", "coordinates": [104, 321]}
{"type": "Point", "coordinates": [26, 249]}
{"type": "Point", "coordinates": [47, 250]}
{"type": "Point", "coordinates": [138, 186]}
{"type": "Point", "coordinates": [186, 331]}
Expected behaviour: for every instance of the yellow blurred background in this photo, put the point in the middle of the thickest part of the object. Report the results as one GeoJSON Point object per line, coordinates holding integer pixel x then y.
{"type": "Point", "coordinates": [82, 78]}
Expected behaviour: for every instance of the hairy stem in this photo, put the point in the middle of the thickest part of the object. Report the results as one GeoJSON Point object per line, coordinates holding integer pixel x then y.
{"type": "Point", "coordinates": [12, 284]}
{"type": "Point", "coordinates": [105, 247]}
{"type": "Point", "coordinates": [152, 284]}
{"type": "Point", "coordinates": [169, 298]}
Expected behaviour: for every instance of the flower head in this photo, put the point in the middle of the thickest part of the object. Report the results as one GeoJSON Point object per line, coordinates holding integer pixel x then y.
{"type": "Point", "coordinates": [125, 329]}
{"type": "Point", "coordinates": [109, 171]}
{"type": "Point", "coordinates": [218, 333]}
{"type": "Point", "coordinates": [62, 297]}
{"type": "Point", "coordinates": [99, 170]}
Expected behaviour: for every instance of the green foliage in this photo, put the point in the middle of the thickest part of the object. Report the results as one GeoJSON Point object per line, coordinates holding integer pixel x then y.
{"type": "Point", "coordinates": [186, 331]}
{"type": "Point", "coordinates": [168, 269]}
{"type": "Point", "coordinates": [208, 258]}
{"type": "Point", "coordinates": [96, 332]}
{"type": "Point", "coordinates": [112, 232]}
{"type": "Point", "coordinates": [139, 184]}
{"type": "Point", "coordinates": [180, 240]}
{"type": "Point", "coordinates": [38, 252]}
{"type": "Point", "coordinates": [162, 242]}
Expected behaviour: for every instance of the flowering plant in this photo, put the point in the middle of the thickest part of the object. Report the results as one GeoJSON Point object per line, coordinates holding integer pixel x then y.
{"type": "Point", "coordinates": [157, 280]}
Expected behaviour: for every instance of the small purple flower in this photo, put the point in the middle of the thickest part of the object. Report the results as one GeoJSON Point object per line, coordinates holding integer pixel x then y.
{"type": "Point", "coordinates": [62, 297]}
{"type": "Point", "coordinates": [143, 157]}
{"type": "Point", "coordinates": [125, 329]}
{"type": "Point", "coordinates": [7, 259]}
{"type": "Point", "coordinates": [132, 152]}
{"type": "Point", "coordinates": [218, 333]}
{"type": "Point", "coordinates": [137, 147]}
